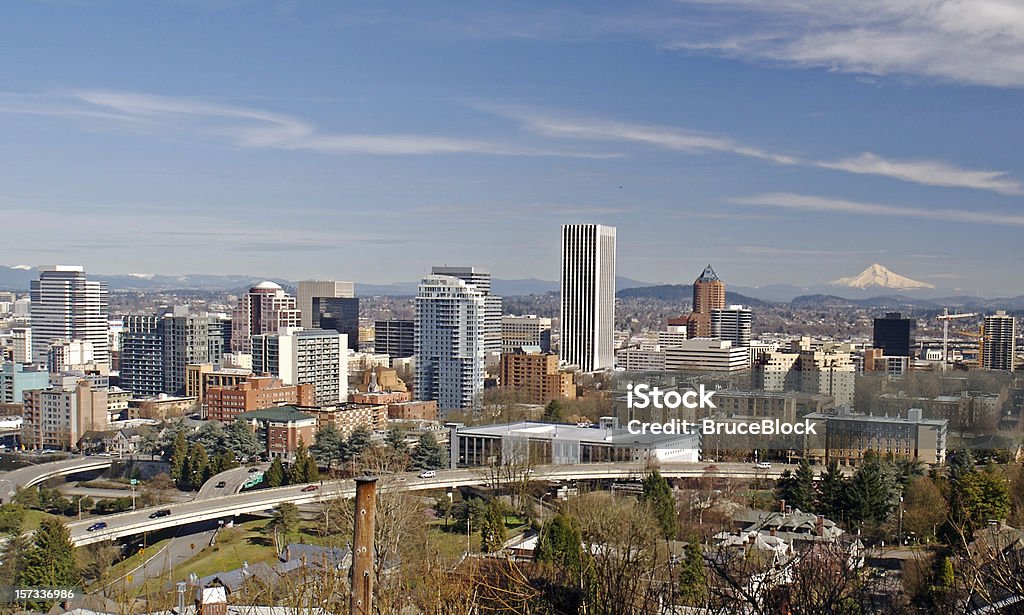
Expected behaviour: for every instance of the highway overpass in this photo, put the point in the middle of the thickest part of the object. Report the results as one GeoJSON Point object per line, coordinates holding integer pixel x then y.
{"type": "Point", "coordinates": [228, 506]}
{"type": "Point", "coordinates": [33, 475]}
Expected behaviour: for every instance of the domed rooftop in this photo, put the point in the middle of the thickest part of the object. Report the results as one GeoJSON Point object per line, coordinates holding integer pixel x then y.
{"type": "Point", "coordinates": [267, 285]}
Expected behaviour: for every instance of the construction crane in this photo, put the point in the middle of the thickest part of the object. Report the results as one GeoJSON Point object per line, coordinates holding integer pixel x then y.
{"type": "Point", "coordinates": [945, 318]}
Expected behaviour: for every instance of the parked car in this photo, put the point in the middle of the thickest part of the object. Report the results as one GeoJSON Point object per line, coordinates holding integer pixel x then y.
{"type": "Point", "coordinates": [309, 488]}
{"type": "Point", "coordinates": [97, 526]}
{"type": "Point", "coordinates": [428, 474]}
{"type": "Point", "coordinates": [163, 512]}
{"type": "Point", "coordinates": [220, 485]}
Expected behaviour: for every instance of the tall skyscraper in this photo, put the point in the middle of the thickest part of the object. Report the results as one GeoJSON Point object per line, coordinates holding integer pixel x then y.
{"type": "Point", "coordinates": [308, 289]}
{"type": "Point", "coordinates": [997, 351]}
{"type": "Point", "coordinates": [142, 356]}
{"type": "Point", "coordinates": [451, 316]}
{"type": "Point", "coordinates": [892, 335]}
{"type": "Point", "coordinates": [481, 279]}
{"type": "Point", "coordinates": [66, 305]}
{"type": "Point", "coordinates": [732, 324]}
{"type": "Point", "coordinates": [708, 295]}
{"type": "Point", "coordinates": [264, 309]}
{"type": "Point", "coordinates": [186, 340]}
{"type": "Point", "coordinates": [588, 296]}
{"type": "Point", "coordinates": [339, 314]}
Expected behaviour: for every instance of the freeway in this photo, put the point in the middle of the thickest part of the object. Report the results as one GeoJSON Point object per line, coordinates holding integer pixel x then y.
{"type": "Point", "coordinates": [228, 506]}
{"type": "Point", "coordinates": [33, 475]}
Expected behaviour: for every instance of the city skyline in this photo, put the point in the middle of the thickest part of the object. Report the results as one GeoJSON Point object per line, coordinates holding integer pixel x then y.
{"type": "Point", "coordinates": [818, 137]}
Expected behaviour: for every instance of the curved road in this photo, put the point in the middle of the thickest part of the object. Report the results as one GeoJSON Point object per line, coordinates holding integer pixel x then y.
{"type": "Point", "coordinates": [33, 475]}
{"type": "Point", "coordinates": [227, 506]}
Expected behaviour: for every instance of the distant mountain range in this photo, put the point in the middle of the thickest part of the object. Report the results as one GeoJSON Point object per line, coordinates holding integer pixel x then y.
{"type": "Point", "coordinates": [866, 289]}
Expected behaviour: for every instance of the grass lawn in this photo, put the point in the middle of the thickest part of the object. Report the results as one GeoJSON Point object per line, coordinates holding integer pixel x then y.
{"type": "Point", "coordinates": [136, 559]}
{"type": "Point", "coordinates": [34, 517]}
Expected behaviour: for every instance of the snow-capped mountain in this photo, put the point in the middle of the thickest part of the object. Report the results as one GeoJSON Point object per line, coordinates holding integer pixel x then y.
{"type": "Point", "coordinates": [878, 276]}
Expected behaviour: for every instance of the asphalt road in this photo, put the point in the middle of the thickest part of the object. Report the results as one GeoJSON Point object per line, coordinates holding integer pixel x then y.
{"type": "Point", "coordinates": [228, 506]}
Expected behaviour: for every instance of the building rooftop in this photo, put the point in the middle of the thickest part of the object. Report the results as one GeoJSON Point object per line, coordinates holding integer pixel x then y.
{"type": "Point", "coordinates": [836, 416]}
{"type": "Point", "coordinates": [279, 414]}
{"type": "Point", "coordinates": [569, 432]}
{"type": "Point", "coordinates": [708, 275]}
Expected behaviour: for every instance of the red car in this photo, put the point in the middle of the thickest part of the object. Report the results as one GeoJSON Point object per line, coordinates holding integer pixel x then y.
{"type": "Point", "coordinates": [309, 488]}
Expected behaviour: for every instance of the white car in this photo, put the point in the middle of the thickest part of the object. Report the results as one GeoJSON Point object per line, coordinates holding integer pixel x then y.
{"type": "Point", "coordinates": [763, 465]}
{"type": "Point", "coordinates": [428, 474]}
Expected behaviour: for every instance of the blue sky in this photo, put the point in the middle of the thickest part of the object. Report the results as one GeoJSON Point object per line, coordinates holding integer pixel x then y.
{"type": "Point", "coordinates": [792, 141]}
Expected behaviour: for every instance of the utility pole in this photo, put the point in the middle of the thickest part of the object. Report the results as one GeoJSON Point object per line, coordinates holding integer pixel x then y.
{"type": "Point", "coordinates": [362, 545]}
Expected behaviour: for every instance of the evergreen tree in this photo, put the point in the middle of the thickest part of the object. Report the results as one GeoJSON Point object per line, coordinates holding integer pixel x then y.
{"type": "Point", "coordinates": [443, 506]}
{"type": "Point", "coordinates": [554, 412]}
{"type": "Point", "coordinates": [198, 466]}
{"type": "Point", "coordinates": [212, 436]}
{"type": "Point", "coordinates": [240, 438]}
{"type": "Point", "coordinates": [396, 441]}
{"type": "Point", "coordinates": [179, 460]}
{"type": "Point", "coordinates": [12, 517]}
{"type": "Point", "coordinates": [274, 476]}
{"type": "Point", "coordinates": [692, 579]}
{"type": "Point", "coordinates": [429, 455]}
{"type": "Point", "coordinates": [50, 560]}
{"type": "Point", "coordinates": [873, 491]}
{"type": "Point", "coordinates": [492, 530]}
{"type": "Point", "coordinates": [983, 496]}
{"type": "Point", "coordinates": [832, 492]}
{"type": "Point", "coordinates": [797, 490]}
{"type": "Point", "coordinates": [329, 447]}
{"type": "Point", "coordinates": [561, 543]}
{"type": "Point", "coordinates": [303, 467]}
{"type": "Point", "coordinates": [357, 442]}
{"type": "Point", "coordinates": [658, 496]}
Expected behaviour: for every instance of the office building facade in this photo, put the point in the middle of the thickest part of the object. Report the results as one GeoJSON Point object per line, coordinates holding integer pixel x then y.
{"type": "Point", "coordinates": [708, 295]}
{"type": "Point", "coordinates": [732, 324]}
{"type": "Point", "coordinates": [395, 338]}
{"type": "Point", "coordinates": [892, 335]}
{"type": "Point", "coordinates": [997, 345]}
{"type": "Point", "coordinates": [339, 314]}
{"type": "Point", "coordinates": [588, 296]}
{"type": "Point", "coordinates": [309, 289]}
{"type": "Point", "coordinates": [264, 309]}
{"type": "Point", "coordinates": [67, 305]}
{"type": "Point", "coordinates": [519, 331]}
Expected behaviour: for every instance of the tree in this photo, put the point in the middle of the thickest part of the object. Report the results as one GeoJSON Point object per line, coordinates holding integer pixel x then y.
{"type": "Point", "coordinates": [329, 447]}
{"type": "Point", "coordinates": [692, 580]}
{"type": "Point", "coordinates": [924, 508]}
{"type": "Point", "coordinates": [283, 524]}
{"type": "Point", "coordinates": [12, 517]}
{"type": "Point", "coordinates": [212, 436]}
{"type": "Point", "coordinates": [658, 497]}
{"type": "Point", "coordinates": [428, 454]}
{"type": "Point", "coordinates": [179, 460]}
{"type": "Point", "coordinates": [198, 467]}
{"type": "Point", "coordinates": [275, 476]}
{"type": "Point", "coordinates": [561, 543]}
{"type": "Point", "coordinates": [443, 506]}
{"type": "Point", "coordinates": [832, 491]}
{"type": "Point", "coordinates": [471, 511]}
{"type": "Point", "coordinates": [554, 412]}
{"type": "Point", "coordinates": [396, 441]}
{"type": "Point", "coordinates": [983, 496]}
{"type": "Point", "coordinates": [240, 438]}
{"type": "Point", "coordinates": [492, 530]}
{"type": "Point", "coordinates": [873, 491]}
{"type": "Point", "coordinates": [358, 441]}
{"type": "Point", "coordinates": [797, 490]}
{"type": "Point", "coordinates": [222, 461]}
{"type": "Point", "coordinates": [303, 467]}
{"type": "Point", "coordinates": [50, 561]}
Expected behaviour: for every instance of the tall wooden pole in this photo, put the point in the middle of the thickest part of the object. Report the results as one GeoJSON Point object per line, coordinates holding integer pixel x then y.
{"type": "Point", "coordinates": [362, 545]}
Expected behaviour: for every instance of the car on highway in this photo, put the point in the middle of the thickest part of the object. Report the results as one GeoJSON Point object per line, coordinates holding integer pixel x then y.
{"type": "Point", "coordinates": [97, 526]}
{"type": "Point", "coordinates": [220, 485]}
{"type": "Point", "coordinates": [253, 470]}
{"type": "Point", "coordinates": [428, 474]}
{"type": "Point", "coordinates": [163, 512]}
{"type": "Point", "coordinates": [762, 465]}
{"type": "Point", "coordinates": [309, 488]}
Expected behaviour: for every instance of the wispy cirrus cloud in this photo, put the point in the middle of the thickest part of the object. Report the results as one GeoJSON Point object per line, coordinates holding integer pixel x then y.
{"type": "Point", "coordinates": [924, 172]}
{"type": "Point", "coordinates": [803, 202]}
{"type": "Point", "coordinates": [248, 127]}
{"type": "Point", "coordinates": [962, 41]}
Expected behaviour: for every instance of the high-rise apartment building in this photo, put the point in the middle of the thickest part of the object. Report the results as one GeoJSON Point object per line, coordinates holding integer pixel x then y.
{"type": "Point", "coordinates": [186, 340]}
{"type": "Point", "coordinates": [997, 343]}
{"type": "Point", "coordinates": [16, 378]}
{"type": "Point", "coordinates": [66, 305]}
{"type": "Point", "coordinates": [451, 317]}
{"type": "Point", "coordinates": [314, 356]}
{"type": "Point", "coordinates": [481, 280]}
{"type": "Point", "coordinates": [732, 324]}
{"type": "Point", "coordinates": [142, 356]}
{"type": "Point", "coordinates": [309, 289]}
{"type": "Point", "coordinates": [264, 309]}
{"type": "Point", "coordinates": [588, 296]}
{"type": "Point", "coordinates": [536, 375]}
{"type": "Point", "coordinates": [56, 418]}
{"type": "Point", "coordinates": [21, 344]}
{"type": "Point", "coordinates": [65, 355]}
{"type": "Point", "coordinates": [519, 331]}
{"type": "Point", "coordinates": [892, 335]}
{"type": "Point", "coordinates": [395, 338]}
{"type": "Point", "coordinates": [708, 295]}
{"type": "Point", "coordinates": [828, 369]}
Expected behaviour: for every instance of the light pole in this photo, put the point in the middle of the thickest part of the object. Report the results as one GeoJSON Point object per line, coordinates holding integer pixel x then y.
{"type": "Point", "coordinates": [899, 531]}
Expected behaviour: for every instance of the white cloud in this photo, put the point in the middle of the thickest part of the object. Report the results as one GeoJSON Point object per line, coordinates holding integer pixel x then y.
{"type": "Point", "coordinates": [963, 41]}
{"type": "Point", "coordinates": [251, 128]}
{"type": "Point", "coordinates": [924, 172]}
{"type": "Point", "coordinates": [801, 202]}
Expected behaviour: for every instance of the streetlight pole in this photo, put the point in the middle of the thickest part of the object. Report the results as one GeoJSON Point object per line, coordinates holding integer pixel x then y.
{"type": "Point", "coordinates": [899, 533]}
